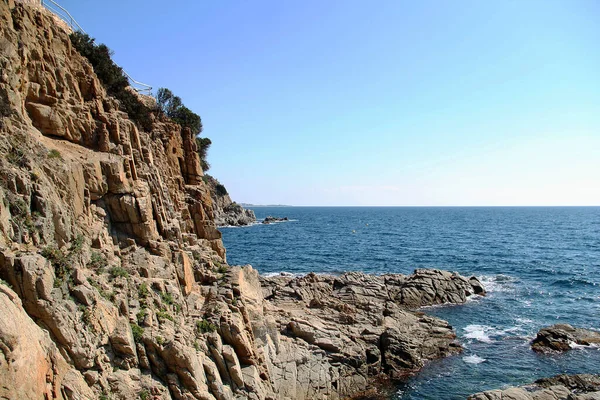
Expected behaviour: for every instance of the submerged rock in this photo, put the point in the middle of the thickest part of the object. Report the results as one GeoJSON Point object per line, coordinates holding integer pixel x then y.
{"type": "Point", "coordinates": [562, 337]}
{"type": "Point", "coordinates": [571, 387]}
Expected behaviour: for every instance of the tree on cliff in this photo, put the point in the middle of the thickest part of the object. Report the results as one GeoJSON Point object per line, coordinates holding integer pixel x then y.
{"type": "Point", "coordinates": [172, 107]}
{"type": "Point", "coordinates": [203, 144]}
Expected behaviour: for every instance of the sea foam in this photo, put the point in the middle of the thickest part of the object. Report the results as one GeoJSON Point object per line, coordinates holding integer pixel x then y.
{"type": "Point", "coordinates": [473, 359]}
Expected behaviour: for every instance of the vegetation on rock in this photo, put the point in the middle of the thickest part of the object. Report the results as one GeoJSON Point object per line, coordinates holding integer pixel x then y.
{"type": "Point", "coordinates": [112, 77]}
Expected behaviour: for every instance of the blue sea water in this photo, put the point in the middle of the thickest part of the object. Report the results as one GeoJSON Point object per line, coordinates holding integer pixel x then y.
{"type": "Point", "coordinates": [541, 265]}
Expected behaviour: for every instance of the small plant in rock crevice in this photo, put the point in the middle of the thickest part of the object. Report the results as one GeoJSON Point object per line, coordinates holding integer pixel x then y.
{"type": "Point", "coordinates": [204, 326]}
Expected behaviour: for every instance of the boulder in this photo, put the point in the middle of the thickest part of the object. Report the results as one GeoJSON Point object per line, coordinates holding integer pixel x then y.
{"type": "Point", "coordinates": [562, 337]}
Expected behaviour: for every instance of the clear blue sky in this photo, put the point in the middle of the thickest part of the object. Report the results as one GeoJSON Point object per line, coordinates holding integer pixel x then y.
{"type": "Point", "coordinates": [441, 102]}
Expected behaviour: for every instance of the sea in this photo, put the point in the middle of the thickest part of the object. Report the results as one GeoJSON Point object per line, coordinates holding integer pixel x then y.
{"type": "Point", "coordinates": [540, 266]}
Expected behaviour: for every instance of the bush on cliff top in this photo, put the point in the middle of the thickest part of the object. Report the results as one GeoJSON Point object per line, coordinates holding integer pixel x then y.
{"type": "Point", "coordinates": [112, 77]}
{"type": "Point", "coordinates": [172, 107]}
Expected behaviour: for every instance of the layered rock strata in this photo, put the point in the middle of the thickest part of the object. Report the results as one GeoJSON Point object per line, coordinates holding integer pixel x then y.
{"type": "Point", "coordinates": [560, 387]}
{"type": "Point", "coordinates": [114, 277]}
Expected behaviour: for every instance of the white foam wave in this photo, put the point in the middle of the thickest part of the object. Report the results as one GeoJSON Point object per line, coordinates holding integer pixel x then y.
{"type": "Point", "coordinates": [574, 345]}
{"type": "Point", "coordinates": [283, 274]}
{"type": "Point", "coordinates": [241, 226]}
{"type": "Point", "coordinates": [497, 283]}
{"type": "Point", "coordinates": [478, 332]}
{"type": "Point", "coordinates": [473, 359]}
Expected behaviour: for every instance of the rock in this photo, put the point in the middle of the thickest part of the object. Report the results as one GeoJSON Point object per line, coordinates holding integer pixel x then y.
{"type": "Point", "coordinates": [270, 219]}
{"type": "Point", "coordinates": [226, 211]}
{"type": "Point", "coordinates": [562, 337]}
{"type": "Point", "coordinates": [571, 387]}
{"type": "Point", "coordinates": [362, 324]}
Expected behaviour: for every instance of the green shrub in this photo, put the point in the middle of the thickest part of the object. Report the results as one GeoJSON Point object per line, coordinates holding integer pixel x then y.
{"type": "Point", "coordinates": [167, 298]}
{"type": "Point", "coordinates": [118, 272]}
{"type": "Point", "coordinates": [203, 145]}
{"type": "Point", "coordinates": [141, 315]}
{"type": "Point", "coordinates": [160, 340]}
{"type": "Point", "coordinates": [161, 314]}
{"type": "Point", "coordinates": [143, 290]}
{"type": "Point", "coordinates": [54, 154]}
{"type": "Point", "coordinates": [60, 261]}
{"type": "Point", "coordinates": [138, 332]}
{"type": "Point", "coordinates": [144, 395]}
{"type": "Point", "coordinates": [220, 190]}
{"type": "Point", "coordinates": [203, 326]}
{"type": "Point", "coordinates": [97, 261]}
{"type": "Point", "coordinates": [76, 245]}
{"type": "Point", "coordinates": [172, 107]}
{"type": "Point", "coordinates": [112, 77]}
{"type": "Point", "coordinates": [222, 269]}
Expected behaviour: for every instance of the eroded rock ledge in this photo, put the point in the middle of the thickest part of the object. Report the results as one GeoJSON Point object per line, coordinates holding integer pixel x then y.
{"type": "Point", "coordinates": [559, 387]}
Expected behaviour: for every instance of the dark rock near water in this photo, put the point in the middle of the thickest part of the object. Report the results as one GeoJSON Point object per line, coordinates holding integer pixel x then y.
{"type": "Point", "coordinates": [567, 387]}
{"type": "Point", "coordinates": [271, 219]}
{"type": "Point", "coordinates": [560, 337]}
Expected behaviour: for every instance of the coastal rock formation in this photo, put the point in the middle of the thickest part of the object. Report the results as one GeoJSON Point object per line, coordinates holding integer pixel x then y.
{"type": "Point", "coordinates": [226, 211]}
{"type": "Point", "coordinates": [271, 219]}
{"type": "Point", "coordinates": [362, 324]}
{"type": "Point", "coordinates": [560, 387]}
{"type": "Point", "coordinates": [562, 337]}
{"type": "Point", "coordinates": [114, 277]}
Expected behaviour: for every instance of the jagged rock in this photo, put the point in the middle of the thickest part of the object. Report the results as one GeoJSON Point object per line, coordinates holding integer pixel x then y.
{"type": "Point", "coordinates": [30, 364]}
{"type": "Point", "coordinates": [226, 211]}
{"type": "Point", "coordinates": [361, 325]}
{"type": "Point", "coordinates": [561, 337]}
{"type": "Point", "coordinates": [559, 387]}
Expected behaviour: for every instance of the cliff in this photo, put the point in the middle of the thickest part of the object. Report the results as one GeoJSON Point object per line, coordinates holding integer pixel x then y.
{"type": "Point", "coordinates": [114, 276]}
{"type": "Point", "coordinates": [226, 211]}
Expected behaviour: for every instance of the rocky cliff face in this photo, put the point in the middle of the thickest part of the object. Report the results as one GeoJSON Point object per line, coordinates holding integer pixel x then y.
{"type": "Point", "coordinates": [226, 211]}
{"type": "Point", "coordinates": [114, 278]}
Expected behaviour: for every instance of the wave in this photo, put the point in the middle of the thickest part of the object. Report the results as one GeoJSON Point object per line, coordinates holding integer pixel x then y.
{"type": "Point", "coordinates": [283, 274]}
{"type": "Point", "coordinates": [498, 283]}
{"type": "Point", "coordinates": [573, 282]}
{"type": "Point", "coordinates": [473, 359]}
{"type": "Point", "coordinates": [489, 334]}
{"type": "Point", "coordinates": [240, 226]}
{"type": "Point", "coordinates": [478, 332]}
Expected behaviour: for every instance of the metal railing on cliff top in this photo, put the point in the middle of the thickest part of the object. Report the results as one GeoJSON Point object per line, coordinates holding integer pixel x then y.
{"type": "Point", "coordinates": [67, 18]}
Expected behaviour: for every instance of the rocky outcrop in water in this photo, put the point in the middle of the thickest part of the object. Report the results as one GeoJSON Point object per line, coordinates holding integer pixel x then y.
{"type": "Point", "coordinates": [226, 211]}
{"type": "Point", "coordinates": [562, 337]}
{"type": "Point", "coordinates": [114, 277]}
{"type": "Point", "coordinates": [270, 219]}
{"type": "Point", "coordinates": [560, 387]}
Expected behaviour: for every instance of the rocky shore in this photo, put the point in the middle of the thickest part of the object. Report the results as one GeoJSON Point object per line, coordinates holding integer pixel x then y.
{"type": "Point", "coordinates": [560, 387]}
{"type": "Point", "coordinates": [115, 282]}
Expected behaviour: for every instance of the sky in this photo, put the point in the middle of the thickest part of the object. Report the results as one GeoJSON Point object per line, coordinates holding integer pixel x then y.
{"type": "Point", "coordinates": [407, 103]}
